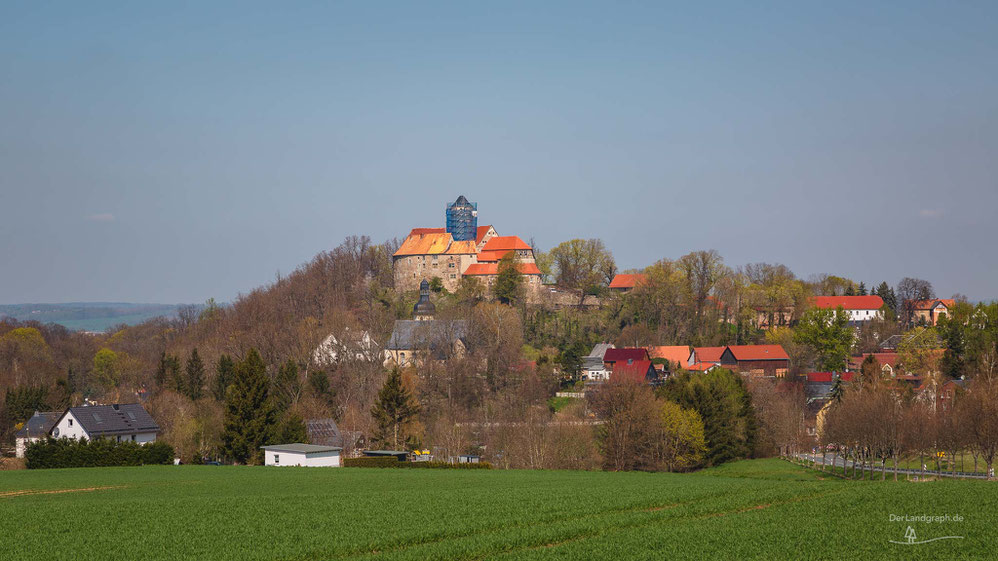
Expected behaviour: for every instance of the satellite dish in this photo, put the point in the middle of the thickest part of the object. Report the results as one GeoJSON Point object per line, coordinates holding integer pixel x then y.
{"type": "Point", "coordinates": [55, 432]}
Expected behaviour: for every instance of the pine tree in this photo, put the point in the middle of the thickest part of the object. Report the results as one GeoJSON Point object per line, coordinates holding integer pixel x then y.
{"type": "Point", "coordinates": [195, 376]}
{"type": "Point", "coordinates": [293, 430]}
{"type": "Point", "coordinates": [287, 387]}
{"type": "Point", "coordinates": [319, 382]}
{"type": "Point", "coordinates": [862, 288]}
{"type": "Point", "coordinates": [224, 372]}
{"type": "Point", "coordinates": [250, 418]}
{"type": "Point", "coordinates": [395, 408]}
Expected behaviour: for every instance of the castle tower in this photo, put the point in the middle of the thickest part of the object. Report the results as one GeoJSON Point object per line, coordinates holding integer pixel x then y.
{"type": "Point", "coordinates": [462, 219]}
{"type": "Point", "coordinates": [424, 309]}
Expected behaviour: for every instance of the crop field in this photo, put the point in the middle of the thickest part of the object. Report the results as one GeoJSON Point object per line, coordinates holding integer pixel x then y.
{"type": "Point", "coordinates": [759, 509]}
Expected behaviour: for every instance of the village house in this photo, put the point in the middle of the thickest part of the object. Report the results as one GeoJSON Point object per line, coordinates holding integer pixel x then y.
{"type": "Point", "coordinates": [860, 309]}
{"type": "Point", "coordinates": [705, 355]}
{"type": "Point", "coordinates": [34, 429]}
{"type": "Point", "coordinates": [126, 422]}
{"type": "Point", "coordinates": [929, 311]}
{"type": "Point", "coordinates": [626, 282]}
{"type": "Point", "coordinates": [349, 346]}
{"type": "Point", "coordinates": [414, 340]}
{"type": "Point", "coordinates": [642, 371]}
{"type": "Point", "coordinates": [593, 367]}
{"type": "Point", "coordinates": [303, 455]}
{"type": "Point", "coordinates": [756, 360]}
{"type": "Point", "coordinates": [675, 357]}
{"type": "Point", "coordinates": [624, 355]}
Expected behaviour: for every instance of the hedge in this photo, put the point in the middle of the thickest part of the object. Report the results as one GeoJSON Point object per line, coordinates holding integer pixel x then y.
{"type": "Point", "coordinates": [446, 465]}
{"type": "Point", "coordinates": [100, 452]}
{"type": "Point", "coordinates": [372, 462]}
{"type": "Point", "coordinates": [390, 462]}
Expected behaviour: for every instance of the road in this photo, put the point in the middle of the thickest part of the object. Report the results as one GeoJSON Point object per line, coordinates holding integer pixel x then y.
{"type": "Point", "coordinates": [842, 463]}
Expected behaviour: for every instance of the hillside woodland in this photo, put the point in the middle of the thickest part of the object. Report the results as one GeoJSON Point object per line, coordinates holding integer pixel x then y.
{"type": "Point", "coordinates": [196, 374]}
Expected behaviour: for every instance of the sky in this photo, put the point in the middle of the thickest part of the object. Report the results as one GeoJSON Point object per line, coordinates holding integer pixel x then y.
{"type": "Point", "coordinates": [175, 152]}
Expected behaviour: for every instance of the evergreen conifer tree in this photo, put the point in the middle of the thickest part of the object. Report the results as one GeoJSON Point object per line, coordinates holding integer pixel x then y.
{"type": "Point", "coordinates": [195, 376]}
{"type": "Point", "coordinates": [224, 372]}
{"type": "Point", "coordinates": [394, 409]}
{"type": "Point", "coordinates": [250, 419]}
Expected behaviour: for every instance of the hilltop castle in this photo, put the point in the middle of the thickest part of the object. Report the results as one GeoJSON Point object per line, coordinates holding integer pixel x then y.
{"type": "Point", "coordinates": [461, 249]}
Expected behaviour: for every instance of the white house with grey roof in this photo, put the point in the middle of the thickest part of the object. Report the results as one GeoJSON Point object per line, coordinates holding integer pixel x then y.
{"type": "Point", "coordinates": [121, 422]}
{"type": "Point", "coordinates": [305, 455]}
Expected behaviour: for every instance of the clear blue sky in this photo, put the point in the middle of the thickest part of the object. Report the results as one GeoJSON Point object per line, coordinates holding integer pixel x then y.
{"type": "Point", "coordinates": [180, 151]}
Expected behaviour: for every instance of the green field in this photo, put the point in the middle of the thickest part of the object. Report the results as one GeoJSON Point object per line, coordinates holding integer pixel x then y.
{"type": "Point", "coordinates": [760, 509]}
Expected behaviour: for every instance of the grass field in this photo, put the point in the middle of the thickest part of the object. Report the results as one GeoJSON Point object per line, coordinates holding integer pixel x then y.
{"type": "Point", "coordinates": [760, 509]}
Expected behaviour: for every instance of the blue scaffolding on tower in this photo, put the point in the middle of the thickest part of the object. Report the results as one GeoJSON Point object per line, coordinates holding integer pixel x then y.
{"type": "Point", "coordinates": [462, 219]}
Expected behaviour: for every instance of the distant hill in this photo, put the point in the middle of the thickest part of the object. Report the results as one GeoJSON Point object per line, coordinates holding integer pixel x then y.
{"type": "Point", "coordinates": [88, 316]}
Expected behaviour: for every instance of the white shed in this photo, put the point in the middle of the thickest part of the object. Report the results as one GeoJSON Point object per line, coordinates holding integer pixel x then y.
{"type": "Point", "coordinates": [297, 454]}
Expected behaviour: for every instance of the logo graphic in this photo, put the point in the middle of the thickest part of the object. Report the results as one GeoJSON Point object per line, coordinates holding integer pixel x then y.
{"type": "Point", "coordinates": [911, 538]}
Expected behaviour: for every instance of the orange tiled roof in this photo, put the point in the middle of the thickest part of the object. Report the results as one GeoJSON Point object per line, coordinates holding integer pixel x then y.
{"type": "Point", "coordinates": [627, 280]}
{"type": "Point", "coordinates": [872, 302]}
{"type": "Point", "coordinates": [929, 304]}
{"type": "Point", "coordinates": [505, 243]}
{"type": "Point", "coordinates": [708, 354]}
{"type": "Point", "coordinates": [674, 353]}
{"type": "Point", "coordinates": [484, 269]}
{"type": "Point", "coordinates": [482, 230]}
{"type": "Point", "coordinates": [424, 231]}
{"type": "Point", "coordinates": [465, 247]}
{"type": "Point", "coordinates": [425, 243]}
{"type": "Point", "coordinates": [486, 256]}
{"type": "Point", "coordinates": [758, 352]}
{"type": "Point", "coordinates": [701, 366]}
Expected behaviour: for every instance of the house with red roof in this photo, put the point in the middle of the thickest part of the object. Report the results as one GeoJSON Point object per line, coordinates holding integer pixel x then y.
{"type": "Point", "coordinates": [756, 360]}
{"type": "Point", "coordinates": [858, 308]}
{"type": "Point", "coordinates": [624, 355]}
{"type": "Point", "coordinates": [625, 282]}
{"type": "Point", "coordinates": [641, 371]}
{"type": "Point", "coordinates": [929, 311]}
{"type": "Point", "coordinates": [673, 355]}
{"type": "Point", "coordinates": [705, 355]}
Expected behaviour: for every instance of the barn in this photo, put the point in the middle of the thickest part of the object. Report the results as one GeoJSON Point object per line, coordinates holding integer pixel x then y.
{"type": "Point", "coordinates": [297, 454]}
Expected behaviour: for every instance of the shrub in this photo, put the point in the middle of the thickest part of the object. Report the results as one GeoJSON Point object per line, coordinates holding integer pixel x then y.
{"type": "Point", "coordinates": [372, 461]}
{"type": "Point", "coordinates": [101, 452]}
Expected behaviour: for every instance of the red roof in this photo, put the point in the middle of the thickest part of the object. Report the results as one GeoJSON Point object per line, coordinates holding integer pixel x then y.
{"type": "Point", "coordinates": [480, 269]}
{"type": "Point", "coordinates": [627, 280]}
{"type": "Point", "coordinates": [758, 352]}
{"type": "Point", "coordinates": [636, 371]}
{"type": "Point", "coordinates": [929, 304]}
{"type": "Point", "coordinates": [424, 231]}
{"type": "Point", "coordinates": [623, 354]}
{"type": "Point", "coordinates": [505, 243]}
{"type": "Point", "coordinates": [482, 230]}
{"type": "Point", "coordinates": [828, 376]}
{"type": "Point", "coordinates": [883, 358]}
{"type": "Point", "coordinates": [486, 256]}
{"type": "Point", "coordinates": [708, 354]}
{"type": "Point", "coordinates": [872, 302]}
{"type": "Point", "coordinates": [676, 353]}
{"type": "Point", "coordinates": [702, 366]}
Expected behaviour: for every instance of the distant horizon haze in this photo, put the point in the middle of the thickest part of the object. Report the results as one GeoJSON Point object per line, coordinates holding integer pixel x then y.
{"type": "Point", "coordinates": [181, 152]}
